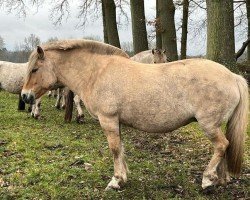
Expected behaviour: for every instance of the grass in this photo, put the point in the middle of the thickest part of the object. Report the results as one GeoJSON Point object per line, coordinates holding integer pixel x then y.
{"type": "Point", "coordinates": [46, 159]}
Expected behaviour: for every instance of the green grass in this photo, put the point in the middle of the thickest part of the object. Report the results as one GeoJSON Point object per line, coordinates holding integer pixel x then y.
{"type": "Point", "coordinates": [44, 159]}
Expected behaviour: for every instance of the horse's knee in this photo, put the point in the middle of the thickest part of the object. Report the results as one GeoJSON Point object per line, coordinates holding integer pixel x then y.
{"type": "Point", "coordinates": [221, 145]}
{"type": "Point", "coordinates": [115, 146]}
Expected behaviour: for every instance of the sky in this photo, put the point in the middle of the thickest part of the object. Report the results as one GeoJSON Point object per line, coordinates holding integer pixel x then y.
{"type": "Point", "coordinates": [14, 29]}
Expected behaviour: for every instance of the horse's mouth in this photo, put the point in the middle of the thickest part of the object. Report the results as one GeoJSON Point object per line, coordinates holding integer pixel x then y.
{"type": "Point", "coordinates": [28, 98]}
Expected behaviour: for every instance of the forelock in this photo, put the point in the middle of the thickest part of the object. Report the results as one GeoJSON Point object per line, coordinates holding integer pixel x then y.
{"type": "Point", "coordinates": [32, 61]}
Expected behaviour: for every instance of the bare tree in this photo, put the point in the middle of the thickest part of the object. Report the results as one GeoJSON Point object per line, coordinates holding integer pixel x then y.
{"type": "Point", "coordinates": [166, 13]}
{"type": "Point", "coordinates": [30, 43]}
{"type": "Point", "coordinates": [184, 33]}
{"type": "Point", "coordinates": [2, 44]}
{"type": "Point", "coordinates": [158, 27]}
{"type": "Point", "coordinates": [105, 31]}
{"type": "Point", "coordinates": [220, 32]}
{"type": "Point", "coordinates": [139, 30]}
{"type": "Point", "coordinates": [111, 24]}
{"type": "Point", "coordinates": [20, 7]}
{"type": "Point", "coordinates": [52, 39]}
{"type": "Point", "coordinates": [248, 28]}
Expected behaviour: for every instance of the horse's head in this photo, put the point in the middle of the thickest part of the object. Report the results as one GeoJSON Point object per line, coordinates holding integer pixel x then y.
{"type": "Point", "coordinates": [40, 76]}
{"type": "Point", "coordinates": [159, 56]}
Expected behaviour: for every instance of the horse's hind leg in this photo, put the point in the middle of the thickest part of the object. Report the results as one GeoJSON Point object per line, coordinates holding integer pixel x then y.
{"type": "Point", "coordinates": [111, 128]}
{"type": "Point", "coordinates": [217, 163]}
{"type": "Point", "coordinates": [80, 115]}
{"type": "Point", "coordinates": [58, 99]}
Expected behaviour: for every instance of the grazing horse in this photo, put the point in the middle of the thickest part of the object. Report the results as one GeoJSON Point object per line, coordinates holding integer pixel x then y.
{"type": "Point", "coordinates": [11, 80]}
{"type": "Point", "coordinates": [150, 97]}
{"type": "Point", "coordinates": [151, 56]}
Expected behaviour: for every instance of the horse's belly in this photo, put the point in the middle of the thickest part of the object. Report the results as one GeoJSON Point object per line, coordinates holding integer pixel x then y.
{"type": "Point", "coordinates": [158, 122]}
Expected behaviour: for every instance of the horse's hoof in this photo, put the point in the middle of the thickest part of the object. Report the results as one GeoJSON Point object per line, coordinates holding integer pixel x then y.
{"type": "Point", "coordinates": [36, 116]}
{"type": "Point", "coordinates": [63, 107]}
{"type": "Point", "coordinates": [209, 180]}
{"type": "Point", "coordinates": [80, 119]}
{"type": "Point", "coordinates": [29, 109]}
{"type": "Point", "coordinates": [113, 184]}
{"type": "Point", "coordinates": [57, 107]}
{"type": "Point", "coordinates": [223, 181]}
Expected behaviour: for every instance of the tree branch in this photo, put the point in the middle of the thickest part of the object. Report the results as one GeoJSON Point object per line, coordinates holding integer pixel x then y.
{"type": "Point", "coordinates": [239, 1]}
{"type": "Point", "coordinates": [242, 49]}
{"type": "Point", "coordinates": [198, 5]}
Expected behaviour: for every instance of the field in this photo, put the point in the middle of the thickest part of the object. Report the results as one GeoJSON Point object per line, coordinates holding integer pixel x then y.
{"type": "Point", "coordinates": [50, 159]}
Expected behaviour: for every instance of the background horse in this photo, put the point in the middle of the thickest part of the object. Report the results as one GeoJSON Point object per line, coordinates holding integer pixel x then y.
{"type": "Point", "coordinates": [153, 98]}
{"type": "Point", "coordinates": [151, 56]}
{"type": "Point", "coordinates": [12, 79]}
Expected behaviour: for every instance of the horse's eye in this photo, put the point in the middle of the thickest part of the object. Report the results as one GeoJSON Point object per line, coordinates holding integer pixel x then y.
{"type": "Point", "coordinates": [34, 70]}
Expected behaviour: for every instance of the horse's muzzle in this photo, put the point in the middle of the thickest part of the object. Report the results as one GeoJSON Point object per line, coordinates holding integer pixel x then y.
{"type": "Point", "coordinates": [28, 98]}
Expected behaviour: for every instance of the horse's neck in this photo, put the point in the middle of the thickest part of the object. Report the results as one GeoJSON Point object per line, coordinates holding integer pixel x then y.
{"type": "Point", "coordinates": [78, 74]}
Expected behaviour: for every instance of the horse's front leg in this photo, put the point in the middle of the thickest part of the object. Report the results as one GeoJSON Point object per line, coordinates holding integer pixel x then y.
{"type": "Point", "coordinates": [36, 109]}
{"type": "Point", "coordinates": [111, 129]}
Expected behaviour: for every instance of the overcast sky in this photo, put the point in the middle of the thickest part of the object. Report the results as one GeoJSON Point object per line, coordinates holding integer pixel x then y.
{"type": "Point", "coordinates": [14, 29]}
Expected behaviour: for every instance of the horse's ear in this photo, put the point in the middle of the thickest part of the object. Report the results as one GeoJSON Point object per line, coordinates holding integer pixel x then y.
{"type": "Point", "coordinates": [153, 51]}
{"type": "Point", "coordinates": [40, 52]}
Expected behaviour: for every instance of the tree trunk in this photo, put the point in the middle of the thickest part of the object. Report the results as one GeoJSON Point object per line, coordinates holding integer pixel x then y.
{"type": "Point", "coordinates": [158, 28]}
{"type": "Point", "coordinates": [140, 40]}
{"type": "Point", "coordinates": [110, 16]}
{"type": "Point", "coordinates": [220, 32]}
{"type": "Point", "coordinates": [248, 28]}
{"type": "Point", "coordinates": [166, 12]}
{"type": "Point", "coordinates": [184, 29]}
{"type": "Point", "coordinates": [105, 33]}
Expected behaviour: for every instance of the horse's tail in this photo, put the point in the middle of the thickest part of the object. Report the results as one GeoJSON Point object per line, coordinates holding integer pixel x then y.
{"type": "Point", "coordinates": [69, 96]}
{"type": "Point", "coordinates": [236, 128]}
{"type": "Point", "coordinates": [21, 104]}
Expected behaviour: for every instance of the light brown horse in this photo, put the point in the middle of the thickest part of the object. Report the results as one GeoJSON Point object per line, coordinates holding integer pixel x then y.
{"type": "Point", "coordinates": [153, 98]}
{"type": "Point", "coordinates": [151, 56]}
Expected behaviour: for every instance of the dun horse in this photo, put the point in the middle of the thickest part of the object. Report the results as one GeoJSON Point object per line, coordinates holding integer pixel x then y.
{"type": "Point", "coordinates": [151, 56]}
{"type": "Point", "coordinates": [154, 98]}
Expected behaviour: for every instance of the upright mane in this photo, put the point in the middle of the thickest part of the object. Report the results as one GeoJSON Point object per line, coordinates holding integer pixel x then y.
{"type": "Point", "coordinates": [64, 45]}
{"type": "Point", "coordinates": [92, 46]}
